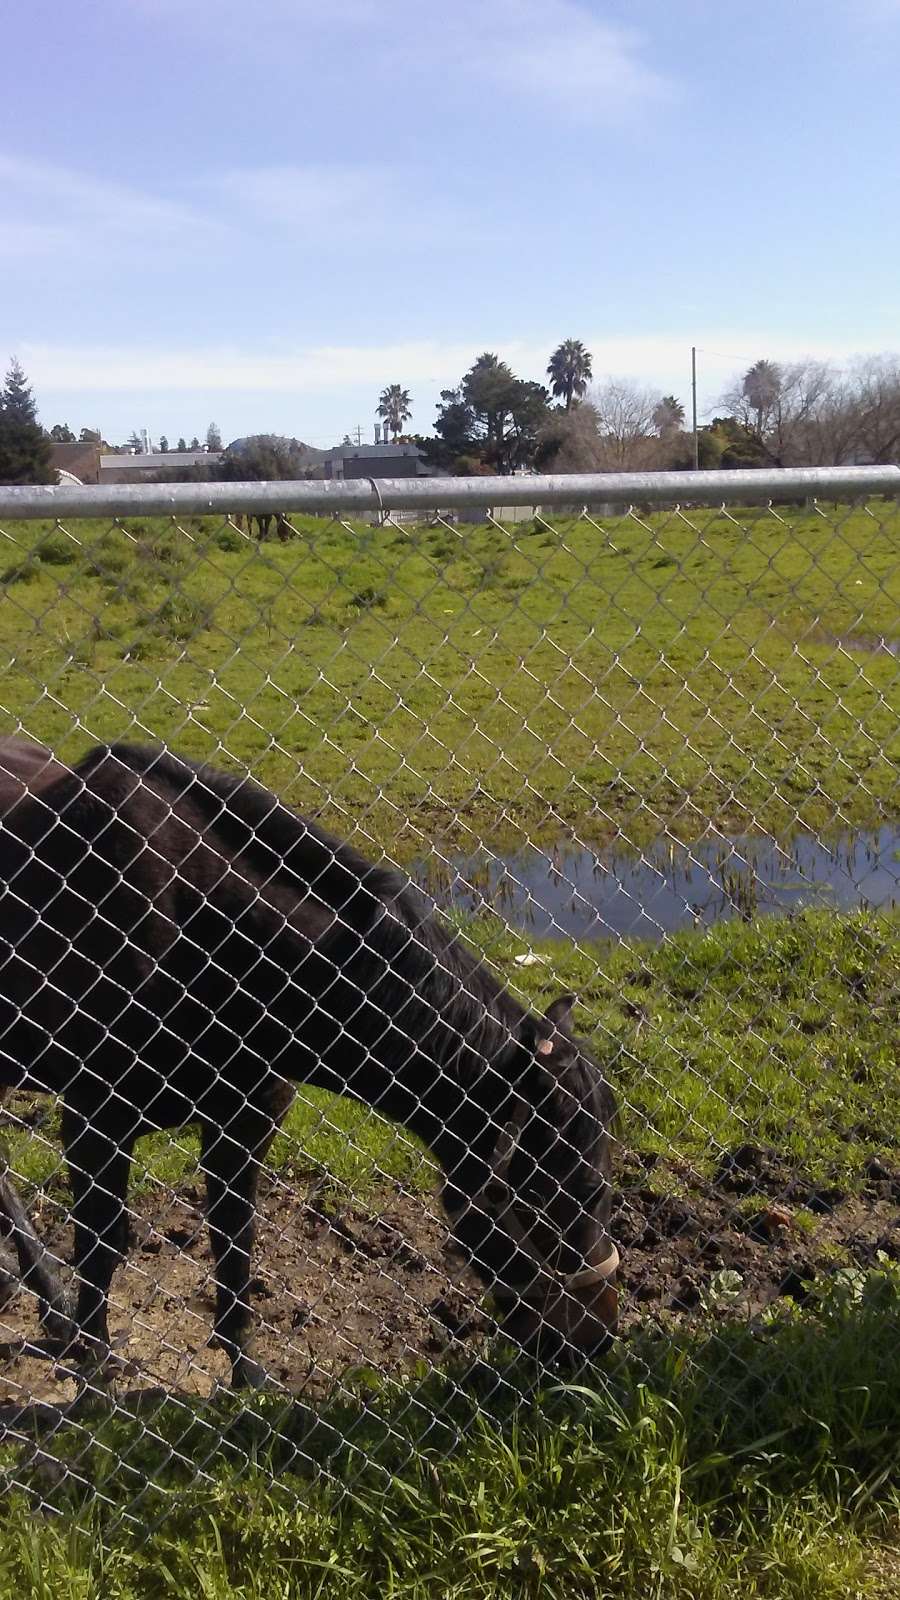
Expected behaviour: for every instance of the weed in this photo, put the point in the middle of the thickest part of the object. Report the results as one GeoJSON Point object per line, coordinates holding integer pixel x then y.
{"type": "Point", "coordinates": [368, 599]}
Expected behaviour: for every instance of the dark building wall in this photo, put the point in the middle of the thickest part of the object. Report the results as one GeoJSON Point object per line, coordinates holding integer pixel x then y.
{"type": "Point", "coordinates": [380, 466]}
{"type": "Point", "coordinates": [374, 461]}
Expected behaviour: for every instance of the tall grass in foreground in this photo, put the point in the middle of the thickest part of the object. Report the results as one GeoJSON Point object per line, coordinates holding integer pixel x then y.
{"type": "Point", "coordinates": [761, 1459]}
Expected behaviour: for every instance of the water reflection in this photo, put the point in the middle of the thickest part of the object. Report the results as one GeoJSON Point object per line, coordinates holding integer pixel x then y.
{"type": "Point", "coordinates": [869, 644]}
{"type": "Point", "coordinates": [595, 895]}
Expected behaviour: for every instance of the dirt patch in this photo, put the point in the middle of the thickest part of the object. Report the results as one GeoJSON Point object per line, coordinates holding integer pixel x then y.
{"type": "Point", "coordinates": [739, 1241]}
{"type": "Point", "coordinates": [379, 1287]}
{"type": "Point", "coordinates": [334, 1289]}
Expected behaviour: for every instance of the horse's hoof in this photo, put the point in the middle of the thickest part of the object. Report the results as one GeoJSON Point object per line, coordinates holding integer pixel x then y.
{"type": "Point", "coordinates": [58, 1323]}
{"type": "Point", "coordinates": [249, 1374]}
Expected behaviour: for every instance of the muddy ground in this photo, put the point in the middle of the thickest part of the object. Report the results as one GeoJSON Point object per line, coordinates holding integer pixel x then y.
{"type": "Point", "coordinates": [378, 1285]}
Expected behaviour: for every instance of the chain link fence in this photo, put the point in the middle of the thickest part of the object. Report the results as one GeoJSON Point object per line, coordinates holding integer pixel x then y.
{"type": "Point", "coordinates": [629, 740]}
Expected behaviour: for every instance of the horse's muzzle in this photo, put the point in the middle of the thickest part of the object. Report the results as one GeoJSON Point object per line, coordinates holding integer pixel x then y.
{"type": "Point", "coordinates": [577, 1320]}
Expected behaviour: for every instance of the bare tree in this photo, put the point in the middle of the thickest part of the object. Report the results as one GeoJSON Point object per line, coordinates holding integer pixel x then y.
{"type": "Point", "coordinates": [801, 413]}
{"type": "Point", "coordinates": [570, 441]}
{"type": "Point", "coordinates": [626, 426]}
{"type": "Point", "coordinates": [874, 406]}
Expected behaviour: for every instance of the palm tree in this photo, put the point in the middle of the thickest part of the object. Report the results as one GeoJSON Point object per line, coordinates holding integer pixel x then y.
{"type": "Point", "coordinates": [395, 406]}
{"type": "Point", "coordinates": [668, 416]}
{"type": "Point", "coordinates": [761, 390]}
{"type": "Point", "coordinates": [570, 370]}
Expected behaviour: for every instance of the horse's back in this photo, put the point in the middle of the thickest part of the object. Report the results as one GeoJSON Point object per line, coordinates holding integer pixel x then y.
{"type": "Point", "coordinates": [27, 770]}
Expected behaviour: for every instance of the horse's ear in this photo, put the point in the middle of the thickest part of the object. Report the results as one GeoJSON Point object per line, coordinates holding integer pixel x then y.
{"type": "Point", "coordinates": [559, 1012]}
{"type": "Point", "coordinates": [558, 1016]}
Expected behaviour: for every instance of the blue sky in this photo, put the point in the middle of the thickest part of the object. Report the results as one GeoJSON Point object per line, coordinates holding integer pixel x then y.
{"type": "Point", "coordinates": [260, 212]}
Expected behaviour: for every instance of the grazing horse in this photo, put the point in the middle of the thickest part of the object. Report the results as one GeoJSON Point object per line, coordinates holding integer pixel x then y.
{"type": "Point", "coordinates": [177, 946]}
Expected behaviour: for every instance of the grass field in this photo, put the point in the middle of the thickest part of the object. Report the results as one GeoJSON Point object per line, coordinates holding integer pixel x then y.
{"type": "Point", "coordinates": [478, 681]}
{"type": "Point", "coordinates": [763, 1456]}
{"type": "Point", "coordinates": [761, 1460]}
{"type": "Point", "coordinates": [467, 683]}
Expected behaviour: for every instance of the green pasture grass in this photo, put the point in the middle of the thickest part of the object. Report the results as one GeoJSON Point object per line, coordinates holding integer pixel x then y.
{"type": "Point", "coordinates": [760, 1460]}
{"type": "Point", "coordinates": [616, 677]}
{"type": "Point", "coordinates": [324, 1137]}
{"type": "Point", "coordinates": [782, 1033]}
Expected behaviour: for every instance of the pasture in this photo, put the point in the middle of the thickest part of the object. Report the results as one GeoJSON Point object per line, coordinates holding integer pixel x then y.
{"type": "Point", "coordinates": [441, 686]}
{"type": "Point", "coordinates": [477, 683]}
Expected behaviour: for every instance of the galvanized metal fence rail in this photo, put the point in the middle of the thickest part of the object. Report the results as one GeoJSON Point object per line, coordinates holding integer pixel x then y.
{"type": "Point", "coordinates": [641, 748]}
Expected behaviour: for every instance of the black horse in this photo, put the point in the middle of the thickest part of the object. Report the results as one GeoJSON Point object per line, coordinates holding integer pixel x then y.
{"type": "Point", "coordinates": [177, 946]}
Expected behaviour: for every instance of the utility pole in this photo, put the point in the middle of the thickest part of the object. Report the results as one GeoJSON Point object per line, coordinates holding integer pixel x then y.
{"type": "Point", "coordinates": [694, 406]}
{"type": "Point", "coordinates": [358, 433]}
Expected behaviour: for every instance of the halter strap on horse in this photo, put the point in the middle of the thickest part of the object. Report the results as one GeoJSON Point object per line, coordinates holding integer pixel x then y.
{"type": "Point", "coordinates": [496, 1197]}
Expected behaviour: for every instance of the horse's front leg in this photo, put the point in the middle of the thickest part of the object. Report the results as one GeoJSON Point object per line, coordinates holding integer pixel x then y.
{"type": "Point", "coordinates": [232, 1150]}
{"type": "Point", "coordinates": [99, 1159]}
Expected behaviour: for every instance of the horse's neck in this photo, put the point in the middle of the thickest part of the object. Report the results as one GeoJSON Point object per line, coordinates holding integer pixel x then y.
{"type": "Point", "coordinates": [454, 1106]}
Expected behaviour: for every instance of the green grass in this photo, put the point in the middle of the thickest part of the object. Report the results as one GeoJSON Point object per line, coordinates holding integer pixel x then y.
{"type": "Point", "coordinates": [324, 1136]}
{"type": "Point", "coordinates": [784, 1032]}
{"type": "Point", "coordinates": [476, 680]}
{"type": "Point", "coordinates": [759, 1460]}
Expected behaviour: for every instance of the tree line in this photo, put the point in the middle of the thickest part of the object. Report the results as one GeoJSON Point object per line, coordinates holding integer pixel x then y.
{"type": "Point", "coordinates": [803, 413]}
{"type": "Point", "coordinates": [25, 447]}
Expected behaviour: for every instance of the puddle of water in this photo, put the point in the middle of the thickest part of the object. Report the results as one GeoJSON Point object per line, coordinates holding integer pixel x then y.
{"type": "Point", "coordinates": [603, 894]}
{"type": "Point", "coordinates": [870, 644]}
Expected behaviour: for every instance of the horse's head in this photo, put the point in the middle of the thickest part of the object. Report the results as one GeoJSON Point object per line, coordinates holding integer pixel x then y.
{"type": "Point", "coordinates": [534, 1219]}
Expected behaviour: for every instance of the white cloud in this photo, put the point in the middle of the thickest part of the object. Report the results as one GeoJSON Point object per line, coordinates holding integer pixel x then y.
{"type": "Point", "coordinates": [54, 210]}
{"type": "Point", "coordinates": [660, 360]}
{"type": "Point", "coordinates": [323, 368]}
{"type": "Point", "coordinates": [319, 392]}
{"type": "Point", "coordinates": [328, 205]}
{"type": "Point", "coordinates": [56, 206]}
{"type": "Point", "coordinates": [554, 53]}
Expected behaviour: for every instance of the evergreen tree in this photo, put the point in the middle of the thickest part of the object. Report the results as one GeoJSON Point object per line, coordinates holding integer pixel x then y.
{"type": "Point", "coordinates": [181, 445]}
{"type": "Point", "coordinates": [24, 446]}
{"type": "Point", "coordinates": [213, 437]}
{"type": "Point", "coordinates": [61, 433]}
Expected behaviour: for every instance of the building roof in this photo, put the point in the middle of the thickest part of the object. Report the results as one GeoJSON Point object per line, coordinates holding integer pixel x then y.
{"type": "Point", "coordinates": [152, 461]}
{"type": "Point", "coordinates": [346, 452]}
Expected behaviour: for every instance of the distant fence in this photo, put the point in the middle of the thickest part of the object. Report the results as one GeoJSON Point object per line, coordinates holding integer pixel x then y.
{"type": "Point", "coordinates": [639, 742]}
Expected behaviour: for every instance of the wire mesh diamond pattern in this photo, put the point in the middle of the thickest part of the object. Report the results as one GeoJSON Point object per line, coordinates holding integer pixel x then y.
{"type": "Point", "coordinates": [501, 907]}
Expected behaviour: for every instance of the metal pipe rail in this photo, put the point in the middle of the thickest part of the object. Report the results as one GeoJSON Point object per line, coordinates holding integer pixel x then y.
{"type": "Point", "coordinates": [360, 495]}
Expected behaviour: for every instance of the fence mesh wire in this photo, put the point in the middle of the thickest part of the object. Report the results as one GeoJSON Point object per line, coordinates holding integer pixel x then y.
{"type": "Point", "coordinates": [648, 758]}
